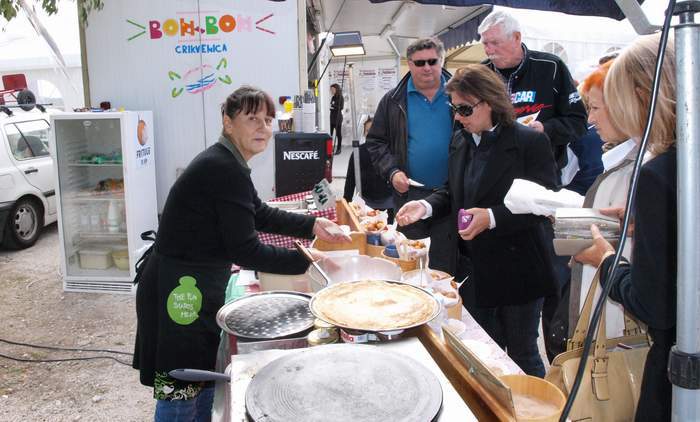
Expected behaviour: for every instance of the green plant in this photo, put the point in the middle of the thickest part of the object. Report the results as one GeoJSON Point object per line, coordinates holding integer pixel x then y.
{"type": "Point", "coordinates": [9, 8]}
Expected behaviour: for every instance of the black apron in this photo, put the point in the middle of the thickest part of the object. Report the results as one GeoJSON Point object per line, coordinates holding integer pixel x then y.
{"type": "Point", "coordinates": [176, 306]}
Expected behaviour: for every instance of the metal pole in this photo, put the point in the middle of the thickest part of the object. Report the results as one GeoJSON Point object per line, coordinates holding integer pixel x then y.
{"type": "Point", "coordinates": [686, 400]}
{"type": "Point", "coordinates": [355, 136]}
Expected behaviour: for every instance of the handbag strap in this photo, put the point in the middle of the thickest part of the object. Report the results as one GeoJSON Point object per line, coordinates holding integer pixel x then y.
{"type": "Point", "coordinates": [576, 341]}
{"type": "Point", "coordinates": [632, 327]}
{"type": "Point", "coordinates": [599, 370]}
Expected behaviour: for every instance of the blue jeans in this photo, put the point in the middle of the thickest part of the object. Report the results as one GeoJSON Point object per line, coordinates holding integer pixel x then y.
{"type": "Point", "coordinates": [197, 409]}
{"type": "Point", "coordinates": [514, 328]}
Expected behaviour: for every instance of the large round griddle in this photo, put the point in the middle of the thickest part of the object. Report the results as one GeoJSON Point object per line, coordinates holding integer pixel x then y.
{"type": "Point", "coordinates": [343, 382]}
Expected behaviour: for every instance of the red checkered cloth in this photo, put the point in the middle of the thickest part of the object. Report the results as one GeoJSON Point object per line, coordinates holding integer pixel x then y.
{"type": "Point", "coordinates": [287, 241]}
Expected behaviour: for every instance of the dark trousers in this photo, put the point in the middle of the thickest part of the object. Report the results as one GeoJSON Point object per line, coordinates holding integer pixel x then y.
{"type": "Point", "coordinates": [512, 327]}
{"type": "Point", "coordinates": [555, 310]}
{"type": "Point", "coordinates": [337, 127]}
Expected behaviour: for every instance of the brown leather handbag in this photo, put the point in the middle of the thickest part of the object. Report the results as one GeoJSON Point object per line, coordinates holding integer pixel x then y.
{"type": "Point", "coordinates": [612, 379]}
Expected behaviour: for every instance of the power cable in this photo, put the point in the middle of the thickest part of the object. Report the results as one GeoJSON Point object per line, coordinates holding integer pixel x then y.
{"type": "Point", "coordinates": [63, 360]}
{"type": "Point", "coordinates": [64, 348]}
{"type": "Point", "coordinates": [600, 305]}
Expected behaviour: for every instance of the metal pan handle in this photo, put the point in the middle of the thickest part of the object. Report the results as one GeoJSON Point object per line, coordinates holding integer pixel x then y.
{"type": "Point", "coordinates": [198, 375]}
{"type": "Point", "coordinates": [305, 251]}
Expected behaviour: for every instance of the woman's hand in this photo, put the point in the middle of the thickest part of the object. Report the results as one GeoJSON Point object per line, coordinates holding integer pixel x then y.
{"type": "Point", "coordinates": [620, 214]}
{"type": "Point", "coordinates": [411, 212]}
{"type": "Point", "coordinates": [327, 230]}
{"type": "Point", "coordinates": [596, 253]}
{"type": "Point", "coordinates": [480, 222]}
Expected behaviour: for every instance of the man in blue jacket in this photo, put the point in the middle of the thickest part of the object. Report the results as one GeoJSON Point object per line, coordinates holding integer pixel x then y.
{"type": "Point", "coordinates": [410, 137]}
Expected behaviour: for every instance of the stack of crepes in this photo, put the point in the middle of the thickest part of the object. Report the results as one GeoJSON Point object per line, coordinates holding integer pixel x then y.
{"type": "Point", "coordinates": [374, 305]}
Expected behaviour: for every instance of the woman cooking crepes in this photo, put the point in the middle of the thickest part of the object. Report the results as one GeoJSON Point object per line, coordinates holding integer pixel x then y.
{"type": "Point", "coordinates": [211, 219]}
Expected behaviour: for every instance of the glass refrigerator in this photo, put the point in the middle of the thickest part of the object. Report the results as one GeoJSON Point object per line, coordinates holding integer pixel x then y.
{"type": "Point", "coordinates": [106, 196]}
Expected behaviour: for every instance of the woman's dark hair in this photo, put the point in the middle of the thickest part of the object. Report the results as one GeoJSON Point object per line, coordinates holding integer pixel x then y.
{"type": "Point", "coordinates": [338, 89]}
{"type": "Point", "coordinates": [480, 82]}
{"type": "Point", "coordinates": [247, 99]}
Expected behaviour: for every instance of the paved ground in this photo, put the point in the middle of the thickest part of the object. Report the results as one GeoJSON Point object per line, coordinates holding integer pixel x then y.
{"type": "Point", "coordinates": [35, 310]}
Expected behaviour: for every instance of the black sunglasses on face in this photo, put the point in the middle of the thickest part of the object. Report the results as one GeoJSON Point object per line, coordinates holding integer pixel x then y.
{"type": "Point", "coordinates": [464, 110]}
{"type": "Point", "coordinates": [421, 63]}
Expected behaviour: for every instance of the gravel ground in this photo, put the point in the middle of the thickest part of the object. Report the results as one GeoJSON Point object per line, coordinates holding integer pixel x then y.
{"type": "Point", "coordinates": [36, 310]}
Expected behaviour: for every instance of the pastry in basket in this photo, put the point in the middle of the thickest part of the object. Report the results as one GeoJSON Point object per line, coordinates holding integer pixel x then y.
{"type": "Point", "coordinates": [373, 225]}
{"type": "Point", "coordinates": [416, 244]}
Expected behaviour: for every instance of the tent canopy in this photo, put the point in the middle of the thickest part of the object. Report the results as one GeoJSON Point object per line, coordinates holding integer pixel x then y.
{"type": "Point", "coordinates": [603, 8]}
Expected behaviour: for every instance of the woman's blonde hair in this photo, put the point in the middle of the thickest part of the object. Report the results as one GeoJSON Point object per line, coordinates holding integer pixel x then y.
{"type": "Point", "coordinates": [627, 92]}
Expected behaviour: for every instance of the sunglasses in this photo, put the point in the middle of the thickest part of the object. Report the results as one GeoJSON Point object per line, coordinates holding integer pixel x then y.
{"type": "Point", "coordinates": [464, 110]}
{"type": "Point", "coordinates": [421, 63]}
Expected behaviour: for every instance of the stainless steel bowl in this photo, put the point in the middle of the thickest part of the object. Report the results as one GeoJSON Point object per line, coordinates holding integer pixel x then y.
{"type": "Point", "coordinates": [354, 268]}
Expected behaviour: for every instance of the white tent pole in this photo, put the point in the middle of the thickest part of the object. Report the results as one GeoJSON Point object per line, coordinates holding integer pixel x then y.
{"type": "Point", "coordinates": [355, 137]}
{"type": "Point", "coordinates": [685, 355]}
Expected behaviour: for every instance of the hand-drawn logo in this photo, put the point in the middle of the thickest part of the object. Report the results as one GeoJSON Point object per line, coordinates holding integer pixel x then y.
{"type": "Point", "coordinates": [200, 78]}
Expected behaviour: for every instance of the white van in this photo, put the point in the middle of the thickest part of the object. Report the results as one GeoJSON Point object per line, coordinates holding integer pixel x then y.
{"type": "Point", "coordinates": [27, 185]}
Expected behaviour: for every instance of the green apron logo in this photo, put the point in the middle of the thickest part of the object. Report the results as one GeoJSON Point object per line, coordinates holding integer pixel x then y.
{"type": "Point", "coordinates": [185, 301]}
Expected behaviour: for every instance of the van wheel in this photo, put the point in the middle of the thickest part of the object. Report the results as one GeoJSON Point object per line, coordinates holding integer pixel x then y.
{"type": "Point", "coordinates": [24, 224]}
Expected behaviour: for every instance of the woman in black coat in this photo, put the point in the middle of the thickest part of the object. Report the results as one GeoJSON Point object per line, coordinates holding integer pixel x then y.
{"type": "Point", "coordinates": [646, 287]}
{"type": "Point", "coordinates": [337, 104]}
{"type": "Point", "coordinates": [510, 268]}
{"type": "Point", "coordinates": [210, 220]}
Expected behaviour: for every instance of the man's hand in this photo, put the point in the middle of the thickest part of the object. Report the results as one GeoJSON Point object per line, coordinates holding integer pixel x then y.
{"type": "Point", "coordinates": [537, 125]}
{"type": "Point", "coordinates": [400, 182]}
{"type": "Point", "coordinates": [327, 230]}
{"type": "Point", "coordinates": [411, 212]}
{"type": "Point", "coordinates": [596, 253]}
{"type": "Point", "coordinates": [480, 222]}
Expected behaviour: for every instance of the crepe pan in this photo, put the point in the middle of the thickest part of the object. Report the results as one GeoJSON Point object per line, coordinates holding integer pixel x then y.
{"type": "Point", "coordinates": [343, 383]}
{"type": "Point", "coordinates": [436, 308]}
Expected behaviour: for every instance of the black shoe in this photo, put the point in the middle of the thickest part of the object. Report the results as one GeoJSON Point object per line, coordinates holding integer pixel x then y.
{"type": "Point", "coordinates": [337, 152]}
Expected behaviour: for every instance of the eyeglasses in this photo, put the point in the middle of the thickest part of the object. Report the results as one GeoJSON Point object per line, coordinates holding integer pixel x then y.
{"type": "Point", "coordinates": [421, 63]}
{"type": "Point", "coordinates": [464, 110]}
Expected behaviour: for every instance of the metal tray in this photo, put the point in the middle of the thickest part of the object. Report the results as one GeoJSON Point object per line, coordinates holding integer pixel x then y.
{"type": "Point", "coordinates": [343, 383]}
{"type": "Point", "coordinates": [266, 315]}
{"type": "Point", "coordinates": [435, 313]}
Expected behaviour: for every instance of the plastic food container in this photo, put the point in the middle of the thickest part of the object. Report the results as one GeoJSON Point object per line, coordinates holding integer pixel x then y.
{"type": "Point", "coordinates": [121, 259]}
{"type": "Point", "coordinates": [95, 258]}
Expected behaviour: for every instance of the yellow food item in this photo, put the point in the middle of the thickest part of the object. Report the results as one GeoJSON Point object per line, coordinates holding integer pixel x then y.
{"type": "Point", "coordinates": [374, 305]}
{"type": "Point", "coordinates": [374, 226]}
{"type": "Point", "coordinates": [416, 244]}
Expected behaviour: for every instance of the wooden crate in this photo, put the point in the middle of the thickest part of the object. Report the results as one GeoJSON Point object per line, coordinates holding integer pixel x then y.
{"type": "Point", "coordinates": [359, 242]}
{"type": "Point", "coordinates": [345, 216]}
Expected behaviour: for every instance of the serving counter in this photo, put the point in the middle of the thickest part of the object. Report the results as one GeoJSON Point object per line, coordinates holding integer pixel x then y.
{"type": "Point", "coordinates": [465, 395]}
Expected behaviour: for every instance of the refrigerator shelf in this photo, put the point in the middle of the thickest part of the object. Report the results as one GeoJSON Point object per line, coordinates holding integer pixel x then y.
{"type": "Point", "coordinates": [84, 197]}
{"type": "Point", "coordinates": [79, 164]}
{"type": "Point", "coordinates": [102, 235]}
{"type": "Point", "coordinates": [111, 273]}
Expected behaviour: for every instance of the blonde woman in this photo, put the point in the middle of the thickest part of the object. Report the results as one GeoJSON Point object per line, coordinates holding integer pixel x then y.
{"type": "Point", "coordinates": [647, 288]}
